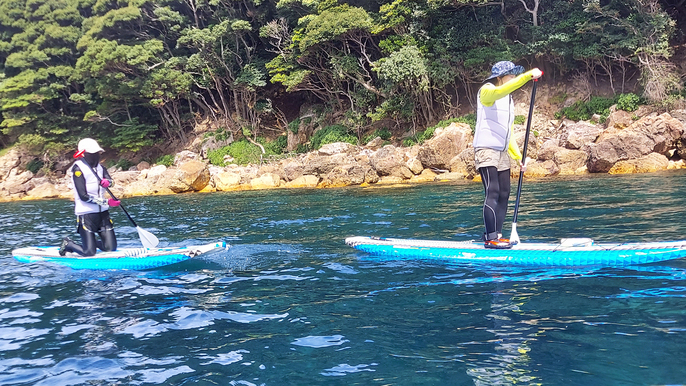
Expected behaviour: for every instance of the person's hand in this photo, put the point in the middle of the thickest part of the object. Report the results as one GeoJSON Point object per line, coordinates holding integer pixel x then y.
{"type": "Point", "coordinates": [112, 202]}
{"type": "Point", "coordinates": [105, 183]}
{"type": "Point", "coordinates": [536, 73]}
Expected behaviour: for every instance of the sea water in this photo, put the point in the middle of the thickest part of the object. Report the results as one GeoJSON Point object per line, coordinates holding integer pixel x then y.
{"type": "Point", "coordinates": [290, 304]}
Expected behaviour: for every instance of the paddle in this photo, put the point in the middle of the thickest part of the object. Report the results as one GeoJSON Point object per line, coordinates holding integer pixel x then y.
{"type": "Point", "coordinates": [514, 237]}
{"type": "Point", "coordinates": [148, 239]}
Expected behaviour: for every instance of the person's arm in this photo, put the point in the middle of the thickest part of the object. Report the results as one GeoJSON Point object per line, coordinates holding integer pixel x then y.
{"type": "Point", "coordinates": [80, 187]}
{"type": "Point", "coordinates": [490, 93]}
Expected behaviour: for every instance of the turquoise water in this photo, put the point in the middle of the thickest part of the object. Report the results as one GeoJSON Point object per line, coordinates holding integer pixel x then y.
{"type": "Point", "coordinates": [291, 304]}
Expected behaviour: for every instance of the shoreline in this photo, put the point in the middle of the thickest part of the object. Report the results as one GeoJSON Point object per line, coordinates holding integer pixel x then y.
{"type": "Point", "coordinates": [655, 142]}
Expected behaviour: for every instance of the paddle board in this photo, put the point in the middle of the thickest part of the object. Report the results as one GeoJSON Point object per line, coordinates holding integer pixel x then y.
{"type": "Point", "coordinates": [122, 258]}
{"type": "Point", "coordinates": [568, 252]}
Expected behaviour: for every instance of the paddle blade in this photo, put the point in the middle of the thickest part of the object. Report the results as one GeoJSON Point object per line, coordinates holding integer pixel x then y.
{"type": "Point", "coordinates": [514, 237]}
{"type": "Point", "coordinates": [148, 239]}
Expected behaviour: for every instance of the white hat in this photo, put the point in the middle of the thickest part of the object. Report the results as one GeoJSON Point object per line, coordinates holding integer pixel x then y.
{"type": "Point", "coordinates": [89, 145]}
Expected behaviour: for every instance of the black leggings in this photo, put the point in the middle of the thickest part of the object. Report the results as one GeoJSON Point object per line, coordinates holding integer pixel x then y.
{"type": "Point", "coordinates": [497, 190]}
{"type": "Point", "coordinates": [88, 225]}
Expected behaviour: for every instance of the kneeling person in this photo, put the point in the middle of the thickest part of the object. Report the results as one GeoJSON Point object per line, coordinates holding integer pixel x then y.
{"type": "Point", "coordinates": [90, 181]}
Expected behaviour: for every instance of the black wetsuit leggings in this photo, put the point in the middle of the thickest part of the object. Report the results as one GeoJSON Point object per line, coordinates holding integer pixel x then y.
{"type": "Point", "coordinates": [497, 190]}
{"type": "Point", "coordinates": [88, 225]}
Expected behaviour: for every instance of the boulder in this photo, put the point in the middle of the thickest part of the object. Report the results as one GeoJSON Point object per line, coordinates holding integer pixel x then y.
{"type": "Point", "coordinates": [463, 163]}
{"type": "Point", "coordinates": [306, 181]}
{"type": "Point", "coordinates": [345, 175]}
{"type": "Point", "coordinates": [389, 161]}
{"type": "Point", "coordinates": [427, 175]}
{"type": "Point", "coordinates": [570, 161]}
{"type": "Point", "coordinates": [578, 134]}
{"type": "Point", "coordinates": [143, 165]}
{"type": "Point", "coordinates": [415, 166]}
{"type": "Point", "coordinates": [336, 148]}
{"type": "Point", "coordinates": [548, 149]}
{"type": "Point", "coordinates": [185, 156]}
{"type": "Point", "coordinates": [8, 162]}
{"type": "Point", "coordinates": [375, 143]}
{"type": "Point", "coordinates": [451, 176]}
{"type": "Point", "coordinates": [647, 164]}
{"type": "Point", "coordinates": [541, 169]}
{"type": "Point", "coordinates": [438, 151]}
{"type": "Point", "coordinates": [191, 176]}
{"type": "Point", "coordinates": [266, 181]}
{"type": "Point", "coordinates": [650, 134]}
{"type": "Point", "coordinates": [619, 120]}
{"type": "Point", "coordinates": [223, 181]}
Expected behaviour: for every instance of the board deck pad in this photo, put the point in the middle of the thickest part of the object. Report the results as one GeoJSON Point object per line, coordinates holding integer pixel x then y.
{"type": "Point", "coordinates": [122, 258]}
{"type": "Point", "coordinates": [568, 252]}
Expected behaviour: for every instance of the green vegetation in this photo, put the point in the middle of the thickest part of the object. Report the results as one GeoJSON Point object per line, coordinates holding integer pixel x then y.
{"type": "Point", "coordinates": [134, 73]}
{"type": "Point", "coordinates": [244, 152]}
{"type": "Point", "coordinates": [166, 160]}
{"type": "Point", "coordinates": [583, 111]}
{"type": "Point", "coordinates": [628, 102]}
{"type": "Point", "coordinates": [331, 134]}
{"type": "Point", "coordinates": [520, 119]}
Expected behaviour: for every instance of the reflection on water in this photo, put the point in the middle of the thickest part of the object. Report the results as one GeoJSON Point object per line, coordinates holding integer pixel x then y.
{"type": "Point", "coordinates": [291, 304]}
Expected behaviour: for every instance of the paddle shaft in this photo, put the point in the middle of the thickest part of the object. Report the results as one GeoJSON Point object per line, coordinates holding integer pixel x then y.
{"type": "Point", "coordinates": [112, 195]}
{"type": "Point", "coordinates": [526, 143]}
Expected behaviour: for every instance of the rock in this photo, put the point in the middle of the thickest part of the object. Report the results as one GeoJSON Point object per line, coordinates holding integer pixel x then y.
{"type": "Point", "coordinates": [390, 180]}
{"type": "Point", "coordinates": [306, 181]}
{"type": "Point", "coordinates": [650, 134]}
{"type": "Point", "coordinates": [375, 143]}
{"type": "Point", "coordinates": [427, 175]}
{"type": "Point", "coordinates": [191, 176]}
{"type": "Point", "coordinates": [345, 175]}
{"type": "Point", "coordinates": [142, 166]}
{"type": "Point", "coordinates": [541, 169]}
{"type": "Point", "coordinates": [680, 164]}
{"type": "Point", "coordinates": [336, 148]}
{"type": "Point", "coordinates": [125, 178]}
{"type": "Point", "coordinates": [224, 181]}
{"type": "Point", "coordinates": [266, 181]}
{"type": "Point", "coordinates": [647, 164]}
{"type": "Point", "coordinates": [415, 166]}
{"type": "Point", "coordinates": [463, 163]}
{"type": "Point", "coordinates": [532, 147]}
{"type": "Point", "coordinates": [548, 149]}
{"type": "Point", "coordinates": [8, 162]}
{"type": "Point", "coordinates": [619, 119]}
{"type": "Point", "coordinates": [438, 151]}
{"type": "Point", "coordinates": [185, 156]}
{"type": "Point", "coordinates": [570, 161]}
{"type": "Point", "coordinates": [450, 176]}
{"type": "Point", "coordinates": [578, 134]}
{"type": "Point", "coordinates": [388, 161]}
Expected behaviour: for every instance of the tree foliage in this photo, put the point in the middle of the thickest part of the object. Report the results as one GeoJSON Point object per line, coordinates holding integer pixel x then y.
{"type": "Point", "coordinates": [134, 72]}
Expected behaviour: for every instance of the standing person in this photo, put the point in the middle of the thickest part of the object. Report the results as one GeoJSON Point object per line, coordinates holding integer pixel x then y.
{"type": "Point", "coordinates": [90, 205]}
{"type": "Point", "coordinates": [494, 144]}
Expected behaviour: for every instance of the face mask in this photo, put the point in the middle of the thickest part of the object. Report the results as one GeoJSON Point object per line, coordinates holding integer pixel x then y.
{"type": "Point", "coordinates": [93, 159]}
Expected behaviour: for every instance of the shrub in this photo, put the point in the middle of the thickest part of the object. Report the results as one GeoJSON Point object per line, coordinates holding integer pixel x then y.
{"type": "Point", "coordinates": [628, 102]}
{"type": "Point", "coordinates": [34, 165]}
{"type": "Point", "coordinates": [242, 151]}
{"type": "Point", "coordinates": [166, 160]}
{"type": "Point", "coordinates": [383, 133]}
{"type": "Point", "coordinates": [583, 111]}
{"type": "Point", "coordinates": [331, 134]}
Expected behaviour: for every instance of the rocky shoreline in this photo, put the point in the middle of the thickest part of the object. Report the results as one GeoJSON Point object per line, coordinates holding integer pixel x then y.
{"type": "Point", "coordinates": [639, 142]}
